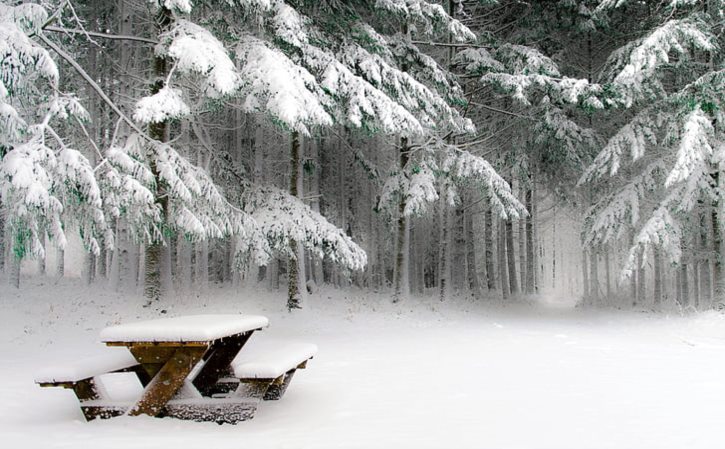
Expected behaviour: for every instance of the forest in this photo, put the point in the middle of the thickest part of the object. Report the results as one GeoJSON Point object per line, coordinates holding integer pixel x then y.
{"type": "Point", "coordinates": [484, 224]}
{"type": "Point", "coordinates": [489, 149]}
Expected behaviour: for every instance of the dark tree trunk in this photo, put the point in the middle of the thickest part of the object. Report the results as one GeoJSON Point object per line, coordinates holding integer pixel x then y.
{"type": "Point", "coordinates": [488, 231]}
{"type": "Point", "coordinates": [294, 296]}
{"type": "Point", "coordinates": [157, 131]}
{"type": "Point", "coordinates": [400, 277]}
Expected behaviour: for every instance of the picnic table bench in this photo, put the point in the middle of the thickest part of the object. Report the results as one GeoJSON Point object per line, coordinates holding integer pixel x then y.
{"type": "Point", "coordinates": [185, 365]}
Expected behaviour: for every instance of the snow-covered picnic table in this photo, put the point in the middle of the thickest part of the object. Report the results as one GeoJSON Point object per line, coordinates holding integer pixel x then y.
{"type": "Point", "coordinates": [187, 367]}
{"type": "Point", "coordinates": [168, 350]}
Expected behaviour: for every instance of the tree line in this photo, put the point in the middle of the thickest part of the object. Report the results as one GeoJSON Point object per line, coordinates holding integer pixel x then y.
{"type": "Point", "coordinates": [486, 148]}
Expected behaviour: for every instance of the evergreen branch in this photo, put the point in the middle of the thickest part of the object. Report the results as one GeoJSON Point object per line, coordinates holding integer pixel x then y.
{"type": "Point", "coordinates": [69, 59]}
{"type": "Point", "coordinates": [101, 35]}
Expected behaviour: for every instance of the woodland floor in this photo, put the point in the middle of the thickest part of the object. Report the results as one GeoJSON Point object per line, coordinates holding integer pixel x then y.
{"type": "Point", "coordinates": [418, 375]}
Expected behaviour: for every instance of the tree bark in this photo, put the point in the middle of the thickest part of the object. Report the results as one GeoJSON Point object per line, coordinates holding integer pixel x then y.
{"type": "Point", "coordinates": [41, 259]}
{"type": "Point", "coordinates": [633, 277]}
{"type": "Point", "coordinates": [157, 131]}
{"type": "Point", "coordinates": [294, 295]}
{"type": "Point", "coordinates": [657, 252]}
{"type": "Point", "coordinates": [530, 246]}
{"type": "Point", "coordinates": [470, 240]}
{"type": "Point", "coordinates": [60, 263]}
{"type": "Point", "coordinates": [488, 235]}
{"type": "Point", "coordinates": [585, 276]}
{"type": "Point", "coordinates": [502, 265]}
{"type": "Point", "coordinates": [641, 281]}
{"type": "Point", "coordinates": [717, 254]}
{"type": "Point", "coordinates": [684, 281]}
{"type": "Point", "coordinates": [594, 276]}
{"type": "Point", "coordinates": [443, 246]}
{"type": "Point", "coordinates": [3, 256]}
{"type": "Point", "coordinates": [400, 276]}
{"type": "Point", "coordinates": [15, 262]}
{"type": "Point", "coordinates": [511, 257]}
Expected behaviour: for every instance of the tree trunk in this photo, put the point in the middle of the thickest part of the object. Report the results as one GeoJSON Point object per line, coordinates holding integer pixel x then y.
{"type": "Point", "coordinates": [458, 275]}
{"type": "Point", "coordinates": [511, 257]}
{"type": "Point", "coordinates": [684, 281]}
{"type": "Point", "coordinates": [41, 259]}
{"type": "Point", "coordinates": [704, 262]}
{"type": "Point", "coordinates": [157, 131]}
{"type": "Point", "coordinates": [608, 272]}
{"type": "Point", "coordinates": [15, 262]}
{"type": "Point", "coordinates": [641, 281]}
{"type": "Point", "coordinates": [60, 263]}
{"type": "Point", "coordinates": [400, 275]}
{"type": "Point", "coordinates": [469, 242]}
{"type": "Point", "coordinates": [294, 295]}
{"type": "Point", "coordinates": [502, 265]}
{"type": "Point", "coordinates": [89, 268]}
{"type": "Point", "coordinates": [585, 276]}
{"type": "Point", "coordinates": [443, 245]}
{"type": "Point", "coordinates": [633, 277]}
{"type": "Point", "coordinates": [488, 235]}
{"type": "Point", "coordinates": [594, 275]}
{"type": "Point", "coordinates": [719, 287]}
{"type": "Point", "coordinates": [530, 246]}
{"type": "Point", "coordinates": [2, 238]}
{"type": "Point", "coordinates": [657, 276]}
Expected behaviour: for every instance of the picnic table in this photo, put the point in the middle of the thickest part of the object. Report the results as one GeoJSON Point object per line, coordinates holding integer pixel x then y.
{"type": "Point", "coordinates": [186, 366]}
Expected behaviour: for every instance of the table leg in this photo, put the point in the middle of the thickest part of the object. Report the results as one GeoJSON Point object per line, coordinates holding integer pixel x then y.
{"type": "Point", "coordinates": [168, 381]}
{"type": "Point", "coordinates": [221, 354]}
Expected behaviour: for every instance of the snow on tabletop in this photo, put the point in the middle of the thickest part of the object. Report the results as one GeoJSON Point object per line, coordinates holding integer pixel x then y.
{"type": "Point", "coordinates": [112, 359]}
{"type": "Point", "coordinates": [269, 359]}
{"type": "Point", "coordinates": [184, 328]}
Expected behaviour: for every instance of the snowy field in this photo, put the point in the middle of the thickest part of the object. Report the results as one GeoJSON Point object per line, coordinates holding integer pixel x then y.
{"type": "Point", "coordinates": [418, 375]}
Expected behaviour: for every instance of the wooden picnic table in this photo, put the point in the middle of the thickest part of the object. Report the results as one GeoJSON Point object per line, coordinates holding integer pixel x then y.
{"type": "Point", "coordinates": [169, 349]}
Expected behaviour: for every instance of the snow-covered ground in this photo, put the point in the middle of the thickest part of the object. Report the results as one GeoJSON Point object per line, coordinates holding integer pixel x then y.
{"type": "Point", "coordinates": [417, 375]}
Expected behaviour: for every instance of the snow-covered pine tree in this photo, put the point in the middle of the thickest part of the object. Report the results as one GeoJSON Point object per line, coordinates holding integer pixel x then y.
{"type": "Point", "coordinates": [46, 186]}
{"type": "Point", "coordinates": [668, 154]}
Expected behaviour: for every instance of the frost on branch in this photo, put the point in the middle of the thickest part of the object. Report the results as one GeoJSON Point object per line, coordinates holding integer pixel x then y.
{"type": "Point", "coordinates": [357, 101]}
{"type": "Point", "coordinates": [278, 86]}
{"type": "Point", "coordinates": [430, 17]}
{"type": "Point", "coordinates": [166, 104]}
{"type": "Point", "coordinates": [430, 109]}
{"type": "Point", "coordinates": [694, 150]}
{"type": "Point", "coordinates": [478, 61]}
{"type": "Point", "coordinates": [621, 210]}
{"type": "Point", "coordinates": [417, 186]}
{"type": "Point", "coordinates": [44, 185]}
{"type": "Point", "coordinates": [633, 69]}
{"type": "Point", "coordinates": [633, 138]}
{"type": "Point", "coordinates": [526, 74]}
{"type": "Point", "coordinates": [462, 165]}
{"type": "Point", "coordinates": [660, 230]}
{"type": "Point", "coordinates": [567, 144]}
{"type": "Point", "coordinates": [39, 185]}
{"type": "Point", "coordinates": [197, 210]}
{"type": "Point", "coordinates": [196, 50]}
{"type": "Point", "coordinates": [282, 218]}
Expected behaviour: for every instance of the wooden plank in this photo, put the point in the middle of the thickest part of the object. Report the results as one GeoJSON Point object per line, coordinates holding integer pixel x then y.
{"type": "Point", "coordinates": [152, 354]}
{"type": "Point", "coordinates": [278, 389]}
{"type": "Point", "coordinates": [174, 344]}
{"type": "Point", "coordinates": [218, 359]}
{"type": "Point", "coordinates": [167, 381]}
{"type": "Point", "coordinates": [253, 388]}
{"type": "Point", "coordinates": [102, 411]}
{"type": "Point", "coordinates": [85, 390]}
